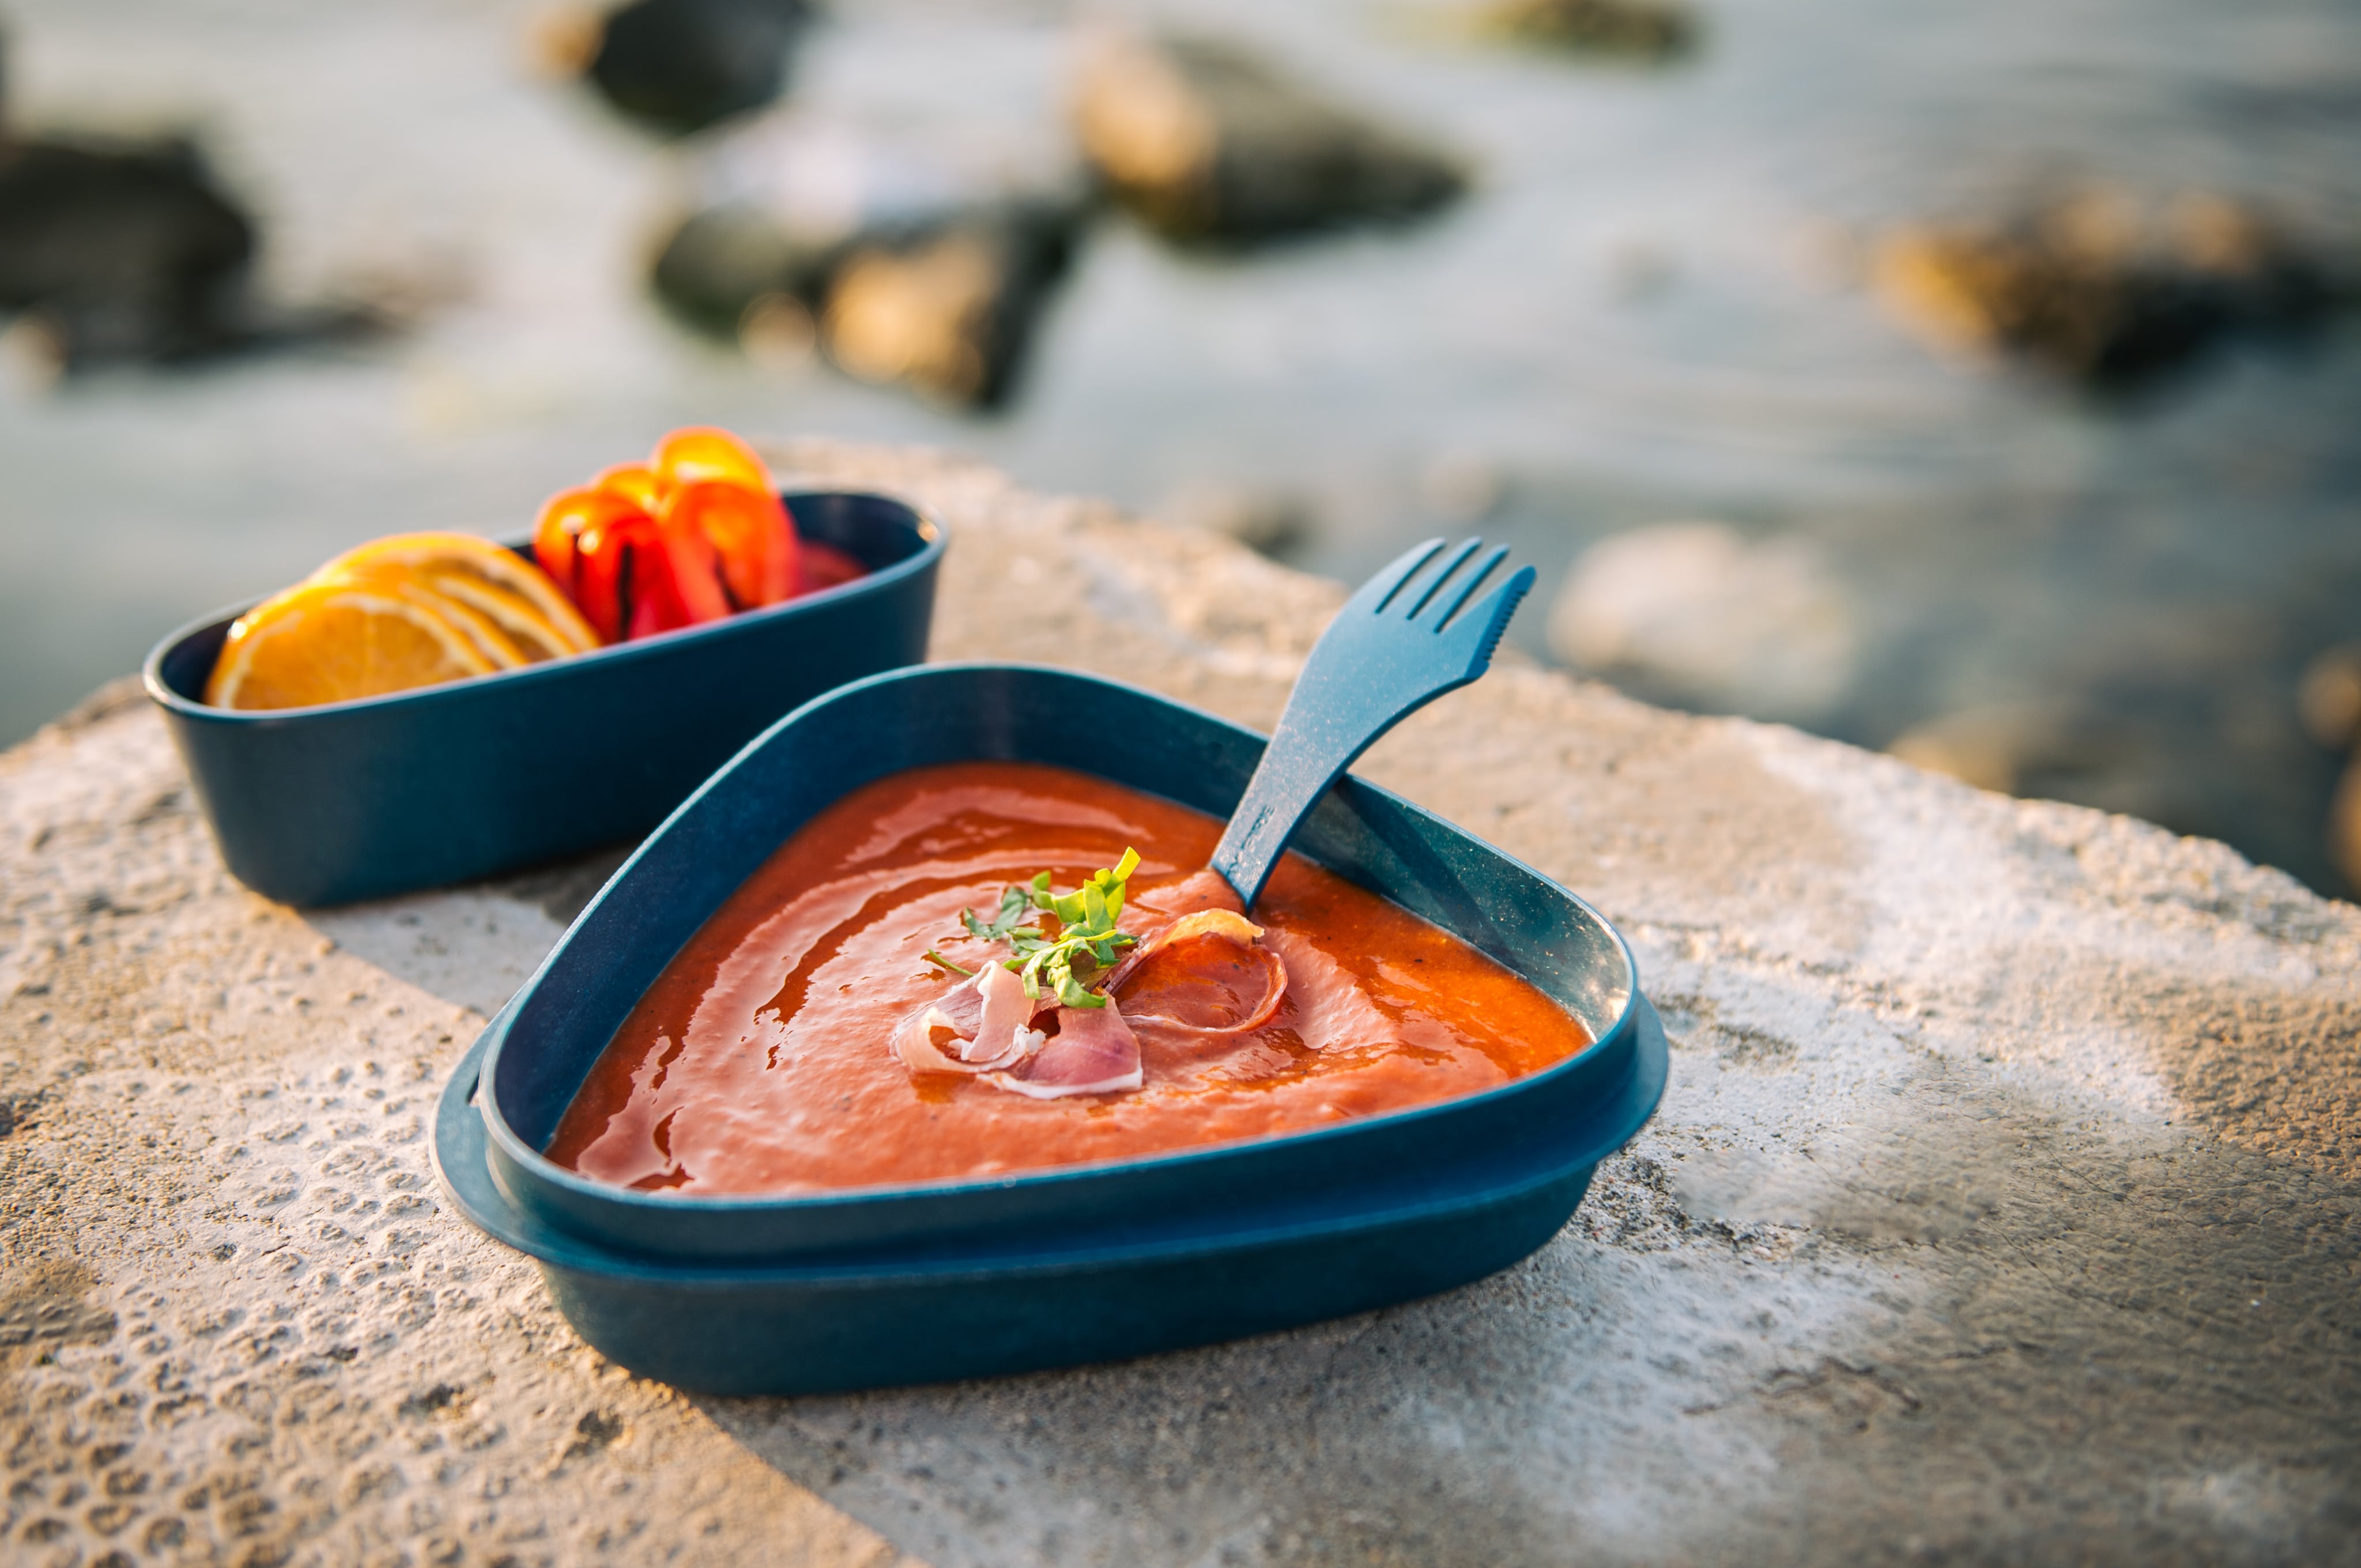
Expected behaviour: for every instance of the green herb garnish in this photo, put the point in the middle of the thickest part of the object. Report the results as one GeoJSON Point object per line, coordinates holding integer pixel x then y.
{"type": "Point", "coordinates": [1086, 932]}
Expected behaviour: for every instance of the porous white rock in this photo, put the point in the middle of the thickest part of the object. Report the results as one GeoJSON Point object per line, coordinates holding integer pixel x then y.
{"type": "Point", "coordinates": [2003, 1206]}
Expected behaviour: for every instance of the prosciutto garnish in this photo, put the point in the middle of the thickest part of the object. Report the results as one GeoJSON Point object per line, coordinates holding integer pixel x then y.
{"type": "Point", "coordinates": [982, 1027]}
{"type": "Point", "coordinates": [1203, 974]}
{"type": "Point", "coordinates": [982, 1024]}
{"type": "Point", "coordinates": [1201, 946]}
{"type": "Point", "coordinates": [1093, 1052]}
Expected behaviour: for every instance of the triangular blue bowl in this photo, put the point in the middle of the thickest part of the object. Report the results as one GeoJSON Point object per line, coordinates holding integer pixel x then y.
{"type": "Point", "coordinates": [1085, 1263]}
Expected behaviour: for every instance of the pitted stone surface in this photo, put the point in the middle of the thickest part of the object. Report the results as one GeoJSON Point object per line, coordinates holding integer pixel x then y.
{"type": "Point", "coordinates": [2005, 1204]}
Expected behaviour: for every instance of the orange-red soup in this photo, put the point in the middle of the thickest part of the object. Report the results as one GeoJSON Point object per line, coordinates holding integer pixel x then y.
{"type": "Point", "coordinates": [759, 1060]}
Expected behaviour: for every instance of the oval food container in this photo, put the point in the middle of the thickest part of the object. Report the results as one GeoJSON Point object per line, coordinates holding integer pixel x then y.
{"type": "Point", "coordinates": [1055, 1299]}
{"type": "Point", "coordinates": [541, 1048]}
{"type": "Point", "coordinates": [447, 783]}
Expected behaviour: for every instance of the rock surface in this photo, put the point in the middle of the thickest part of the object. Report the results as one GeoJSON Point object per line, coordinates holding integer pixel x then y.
{"type": "Point", "coordinates": [2108, 290]}
{"type": "Point", "coordinates": [122, 252]}
{"type": "Point", "coordinates": [1638, 29]}
{"type": "Point", "coordinates": [948, 310]}
{"type": "Point", "coordinates": [945, 305]}
{"type": "Point", "coordinates": [2005, 1204]}
{"type": "Point", "coordinates": [682, 65]}
{"type": "Point", "coordinates": [927, 265]}
{"type": "Point", "coordinates": [1206, 141]}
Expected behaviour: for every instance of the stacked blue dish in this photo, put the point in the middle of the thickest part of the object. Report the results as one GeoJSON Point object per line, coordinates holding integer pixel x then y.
{"type": "Point", "coordinates": [940, 1280]}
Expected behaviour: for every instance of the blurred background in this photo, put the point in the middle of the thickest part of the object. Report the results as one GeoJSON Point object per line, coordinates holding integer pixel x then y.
{"type": "Point", "coordinates": [1979, 381]}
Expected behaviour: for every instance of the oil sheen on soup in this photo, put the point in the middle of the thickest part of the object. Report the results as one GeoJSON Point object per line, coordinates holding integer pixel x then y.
{"type": "Point", "coordinates": [838, 1023]}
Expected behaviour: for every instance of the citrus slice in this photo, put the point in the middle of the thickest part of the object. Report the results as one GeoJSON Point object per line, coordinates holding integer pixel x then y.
{"type": "Point", "coordinates": [335, 641]}
{"type": "Point", "coordinates": [535, 635]}
{"type": "Point", "coordinates": [426, 588]}
{"type": "Point", "coordinates": [468, 554]}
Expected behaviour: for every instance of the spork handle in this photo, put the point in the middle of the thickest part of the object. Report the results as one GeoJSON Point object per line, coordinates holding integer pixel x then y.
{"type": "Point", "coordinates": [1404, 639]}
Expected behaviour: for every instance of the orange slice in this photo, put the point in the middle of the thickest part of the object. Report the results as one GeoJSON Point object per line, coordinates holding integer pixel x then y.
{"type": "Point", "coordinates": [535, 636]}
{"type": "Point", "coordinates": [426, 590]}
{"type": "Point", "coordinates": [465, 555]}
{"type": "Point", "coordinates": [504, 626]}
{"type": "Point", "coordinates": [335, 641]}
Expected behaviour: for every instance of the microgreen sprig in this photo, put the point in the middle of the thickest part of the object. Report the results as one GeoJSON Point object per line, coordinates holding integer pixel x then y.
{"type": "Point", "coordinates": [1086, 932]}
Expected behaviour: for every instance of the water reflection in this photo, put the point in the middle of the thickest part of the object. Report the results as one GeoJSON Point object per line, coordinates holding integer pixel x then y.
{"type": "Point", "coordinates": [1653, 308]}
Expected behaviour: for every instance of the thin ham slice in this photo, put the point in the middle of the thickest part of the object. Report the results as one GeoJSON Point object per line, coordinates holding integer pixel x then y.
{"type": "Point", "coordinates": [1220, 929]}
{"type": "Point", "coordinates": [982, 1027]}
{"type": "Point", "coordinates": [1093, 1052]}
{"type": "Point", "coordinates": [982, 1024]}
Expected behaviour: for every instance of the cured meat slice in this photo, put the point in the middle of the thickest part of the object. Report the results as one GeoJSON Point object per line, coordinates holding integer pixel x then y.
{"type": "Point", "coordinates": [1206, 973]}
{"type": "Point", "coordinates": [982, 1024]}
{"type": "Point", "coordinates": [1093, 1052]}
{"type": "Point", "coordinates": [1006, 1020]}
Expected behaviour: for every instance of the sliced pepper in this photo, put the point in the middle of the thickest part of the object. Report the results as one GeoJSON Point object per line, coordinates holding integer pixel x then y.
{"type": "Point", "coordinates": [749, 530]}
{"type": "Point", "coordinates": [628, 574]}
{"type": "Point", "coordinates": [702, 452]}
{"type": "Point", "coordinates": [636, 482]}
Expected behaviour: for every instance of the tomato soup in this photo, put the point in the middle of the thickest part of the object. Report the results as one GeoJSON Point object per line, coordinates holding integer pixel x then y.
{"type": "Point", "coordinates": [836, 1024]}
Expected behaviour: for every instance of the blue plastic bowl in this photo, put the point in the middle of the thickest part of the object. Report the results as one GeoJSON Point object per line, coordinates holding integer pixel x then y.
{"type": "Point", "coordinates": [539, 1051]}
{"type": "Point", "coordinates": [1060, 1298]}
{"type": "Point", "coordinates": [420, 788]}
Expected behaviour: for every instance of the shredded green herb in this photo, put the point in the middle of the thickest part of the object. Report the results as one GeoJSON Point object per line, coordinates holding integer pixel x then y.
{"type": "Point", "coordinates": [1086, 936]}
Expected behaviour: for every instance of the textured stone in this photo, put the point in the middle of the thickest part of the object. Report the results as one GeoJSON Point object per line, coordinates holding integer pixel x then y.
{"type": "Point", "coordinates": [2005, 1204]}
{"type": "Point", "coordinates": [2108, 292]}
{"type": "Point", "coordinates": [1206, 141]}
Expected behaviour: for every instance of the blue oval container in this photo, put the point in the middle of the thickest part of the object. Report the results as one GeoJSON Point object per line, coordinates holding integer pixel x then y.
{"type": "Point", "coordinates": [535, 1056]}
{"type": "Point", "coordinates": [448, 783]}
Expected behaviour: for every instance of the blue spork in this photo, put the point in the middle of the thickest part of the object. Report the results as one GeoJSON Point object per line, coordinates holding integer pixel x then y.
{"type": "Point", "coordinates": [1405, 638]}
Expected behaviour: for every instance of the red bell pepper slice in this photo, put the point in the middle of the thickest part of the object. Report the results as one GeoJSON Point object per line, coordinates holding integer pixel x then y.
{"type": "Point", "coordinates": [750, 531]}
{"type": "Point", "coordinates": [628, 573]}
{"type": "Point", "coordinates": [702, 452]}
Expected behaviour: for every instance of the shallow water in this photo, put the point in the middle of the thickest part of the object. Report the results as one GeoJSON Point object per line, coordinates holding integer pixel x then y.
{"type": "Point", "coordinates": [1647, 310]}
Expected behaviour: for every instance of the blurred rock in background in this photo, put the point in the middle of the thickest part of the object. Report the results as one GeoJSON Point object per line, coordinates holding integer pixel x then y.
{"type": "Point", "coordinates": [907, 264]}
{"type": "Point", "coordinates": [949, 308]}
{"type": "Point", "coordinates": [1647, 31]}
{"type": "Point", "coordinates": [1696, 615]}
{"type": "Point", "coordinates": [120, 249]}
{"type": "Point", "coordinates": [718, 265]}
{"type": "Point", "coordinates": [119, 252]}
{"type": "Point", "coordinates": [2329, 699]}
{"type": "Point", "coordinates": [678, 66]}
{"type": "Point", "coordinates": [1206, 141]}
{"type": "Point", "coordinates": [2106, 289]}
{"type": "Point", "coordinates": [2345, 824]}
